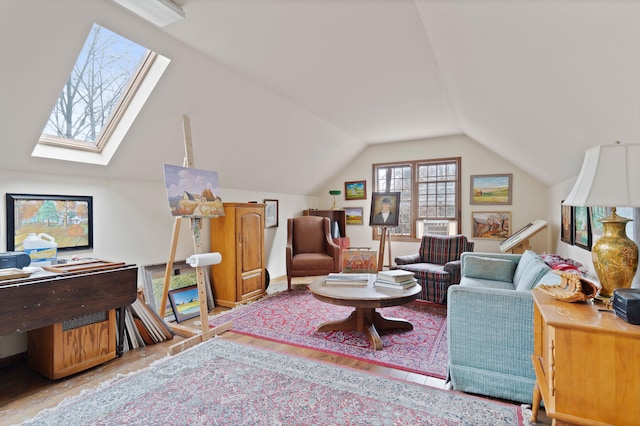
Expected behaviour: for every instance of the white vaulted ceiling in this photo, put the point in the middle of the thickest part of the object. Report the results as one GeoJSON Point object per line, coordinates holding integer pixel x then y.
{"type": "Point", "coordinates": [537, 82]}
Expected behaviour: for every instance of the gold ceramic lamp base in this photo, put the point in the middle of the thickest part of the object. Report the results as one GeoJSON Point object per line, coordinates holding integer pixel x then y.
{"type": "Point", "coordinates": [615, 256]}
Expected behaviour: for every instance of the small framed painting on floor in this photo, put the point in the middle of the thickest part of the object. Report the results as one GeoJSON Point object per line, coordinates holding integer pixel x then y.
{"type": "Point", "coordinates": [185, 303]}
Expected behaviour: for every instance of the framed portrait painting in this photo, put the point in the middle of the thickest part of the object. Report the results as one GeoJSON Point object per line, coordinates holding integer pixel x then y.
{"type": "Point", "coordinates": [356, 190]}
{"type": "Point", "coordinates": [491, 189]}
{"type": "Point", "coordinates": [566, 230]}
{"type": "Point", "coordinates": [385, 208]}
{"type": "Point", "coordinates": [66, 218]}
{"type": "Point", "coordinates": [491, 225]}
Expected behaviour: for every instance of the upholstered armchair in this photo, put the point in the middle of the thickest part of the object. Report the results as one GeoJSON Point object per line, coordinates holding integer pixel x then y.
{"type": "Point", "coordinates": [310, 248]}
{"type": "Point", "coordinates": [436, 265]}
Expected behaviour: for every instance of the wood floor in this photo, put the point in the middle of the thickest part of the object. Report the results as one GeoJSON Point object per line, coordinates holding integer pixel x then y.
{"type": "Point", "coordinates": [24, 393]}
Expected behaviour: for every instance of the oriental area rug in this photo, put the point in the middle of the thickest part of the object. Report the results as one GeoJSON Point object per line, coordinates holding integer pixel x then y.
{"type": "Point", "coordinates": [292, 317]}
{"type": "Point", "coordinates": [226, 383]}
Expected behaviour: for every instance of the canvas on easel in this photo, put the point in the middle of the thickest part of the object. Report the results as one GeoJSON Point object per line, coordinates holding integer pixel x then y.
{"type": "Point", "coordinates": [192, 192]}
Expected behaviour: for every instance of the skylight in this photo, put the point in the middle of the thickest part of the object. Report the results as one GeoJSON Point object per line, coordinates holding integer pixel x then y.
{"type": "Point", "coordinates": [106, 89]}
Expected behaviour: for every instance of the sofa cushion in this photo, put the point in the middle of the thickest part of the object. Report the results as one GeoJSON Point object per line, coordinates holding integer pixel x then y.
{"type": "Point", "coordinates": [482, 283]}
{"type": "Point", "coordinates": [529, 271]}
{"type": "Point", "coordinates": [489, 268]}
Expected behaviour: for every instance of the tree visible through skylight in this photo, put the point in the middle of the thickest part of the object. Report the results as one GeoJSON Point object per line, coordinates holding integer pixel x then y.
{"type": "Point", "coordinates": [103, 72]}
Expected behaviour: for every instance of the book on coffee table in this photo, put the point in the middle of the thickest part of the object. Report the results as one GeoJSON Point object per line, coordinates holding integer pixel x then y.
{"type": "Point", "coordinates": [395, 275]}
{"type": "Point", "coordinates": [337, 278]}
{"type": "Point", "coordinates": [398, 286]}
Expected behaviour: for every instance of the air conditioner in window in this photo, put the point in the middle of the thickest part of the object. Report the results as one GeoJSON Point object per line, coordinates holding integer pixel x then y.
{"type": "Point", "coordinates": [436, 227]}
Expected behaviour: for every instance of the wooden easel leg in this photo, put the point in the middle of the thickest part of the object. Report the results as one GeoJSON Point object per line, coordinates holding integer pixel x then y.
{"type": "Point", "coordinates": [383, 238]}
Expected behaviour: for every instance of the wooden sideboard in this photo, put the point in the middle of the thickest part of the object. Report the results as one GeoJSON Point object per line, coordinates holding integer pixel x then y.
{"type": "Point", "coordinates": [45, 303]}
{"type": "Point", "coordinates": [586, 364]}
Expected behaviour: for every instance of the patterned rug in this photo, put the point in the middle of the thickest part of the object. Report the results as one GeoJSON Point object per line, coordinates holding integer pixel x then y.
{"type": "Point", "coordinates": [293, 317]}
{"type": "Point", "coordinates": [221, 382]}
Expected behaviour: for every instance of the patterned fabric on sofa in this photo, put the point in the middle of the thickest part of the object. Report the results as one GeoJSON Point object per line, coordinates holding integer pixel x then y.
{"type": "Point", "coordinates": [436, 265]}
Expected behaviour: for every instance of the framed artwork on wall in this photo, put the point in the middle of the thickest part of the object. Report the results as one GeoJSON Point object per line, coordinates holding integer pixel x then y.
{"type": "Point", "coordinates": [491, 225]}
{"type": "Point", "coordinates": [354, 215]}
{"type": "Point", "coordinates": [271, 213]}
{"type": "Point", "coordinates": [581, 228]}
{"type": "Point", "coordinates": [356, 190]}
{"type": "Point", "coordinates": [491, 189]}
{"type": "Point", "coordinates": [566, 229]}
{"type": "Point", "coordinates": [66, 218]}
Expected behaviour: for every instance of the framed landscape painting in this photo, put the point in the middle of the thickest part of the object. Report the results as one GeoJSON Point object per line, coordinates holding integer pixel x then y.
{"type": "Point", "coordinates": [491, 225]}
{"type": "Point", "coordinates": [356, 190]}
{"type": "Point", "coordinates": [185, 303]}
{"type": "Point", "coordinates": [66, 218]}
{"type": "Point", "coordinates": [491, 189]}
{"type": "Point", "coordinates": [354, 215]}
{"type": "Point", "coordinates": [581, 228]}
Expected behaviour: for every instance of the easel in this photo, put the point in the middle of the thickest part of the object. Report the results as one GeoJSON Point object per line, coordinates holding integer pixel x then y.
{"type": "Point", "coordinates": [193, 337]}
{"type": "Point", "coordinates": [384, 237]}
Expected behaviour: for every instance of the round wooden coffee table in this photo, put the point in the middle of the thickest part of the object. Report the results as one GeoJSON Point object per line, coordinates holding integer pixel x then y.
{"type": "Point", "coordinates": [365, 300]}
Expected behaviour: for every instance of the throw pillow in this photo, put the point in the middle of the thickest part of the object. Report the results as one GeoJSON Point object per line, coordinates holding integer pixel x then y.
{"type": "Point", "coordinates": [529, 273]}
{"type": "Point", "coordinates": [489, 268]}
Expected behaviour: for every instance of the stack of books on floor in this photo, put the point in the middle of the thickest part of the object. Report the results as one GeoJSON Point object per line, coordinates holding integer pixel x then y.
{"type": "Point", "coordinates": [339, 278]}
{"type": "Point", "coordinates": [395, 278]}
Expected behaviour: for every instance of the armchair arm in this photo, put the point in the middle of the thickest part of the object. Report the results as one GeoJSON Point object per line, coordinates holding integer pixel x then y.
{"type": "Point", "coordinates": [490, 329]}
{"type": "Point", "coordinates": [408, 259]}
{"type": "Point", "coordinates": [454, 268]}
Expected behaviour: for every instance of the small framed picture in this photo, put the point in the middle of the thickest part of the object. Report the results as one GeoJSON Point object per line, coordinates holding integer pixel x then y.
{"type": "Point", "coordinates": [566, 231]}
{"type": "Point", "coordinates": [491, 189]}
{"type": "Point", "coordinates": [581, 228]}
{"type": "Point", "coordinates": [491, 225]}
{"type": "Point", "coordinates": [185, 303]}
{"type": "Point", "coordinates": [356, 190]}
{"type": "Point", "coordinates": [271, 213]}
{"type": "Point", "coordinates": [354, 215]}
{"type": "Point", "coordinates": [385, 208]}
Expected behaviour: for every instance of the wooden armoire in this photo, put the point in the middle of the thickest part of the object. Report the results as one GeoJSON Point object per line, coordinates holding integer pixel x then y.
{"type": "Point", "coordinates": [239, 238]}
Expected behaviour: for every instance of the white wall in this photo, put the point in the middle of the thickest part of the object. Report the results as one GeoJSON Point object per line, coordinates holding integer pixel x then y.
{"type": "Point", "coordinates": [529, 195]}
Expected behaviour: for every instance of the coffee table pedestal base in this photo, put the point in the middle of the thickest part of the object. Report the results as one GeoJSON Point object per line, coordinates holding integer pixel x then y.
{"type": "Point", "coordinates": [368, 321]}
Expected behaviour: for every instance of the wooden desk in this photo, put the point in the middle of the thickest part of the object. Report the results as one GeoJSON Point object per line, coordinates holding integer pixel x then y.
{"type": "Point", "coordinates": [31, 303]}
{"type": "Point", "coordinates": [586, 364]}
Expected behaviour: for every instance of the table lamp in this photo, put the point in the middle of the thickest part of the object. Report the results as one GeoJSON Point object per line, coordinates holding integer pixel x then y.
{"type": "Point", "coordinates": [610, 177]}
{"type": "Point", "coordinates": [334, 192]}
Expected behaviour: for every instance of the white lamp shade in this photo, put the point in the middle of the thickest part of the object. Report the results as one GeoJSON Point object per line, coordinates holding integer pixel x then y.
{"type": "Point", "coordinates": [610, 177]}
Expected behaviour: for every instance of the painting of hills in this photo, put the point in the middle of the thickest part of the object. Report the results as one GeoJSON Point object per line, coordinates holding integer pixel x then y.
{"type": "Point", "coordinates": [192, 192]}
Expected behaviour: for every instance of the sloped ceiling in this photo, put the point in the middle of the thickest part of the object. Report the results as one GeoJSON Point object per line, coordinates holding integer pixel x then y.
{"type": "Point", "coordinates": [297, 88]}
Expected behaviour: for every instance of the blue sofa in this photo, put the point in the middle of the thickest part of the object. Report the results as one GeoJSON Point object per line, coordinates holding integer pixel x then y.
{"type": "Point", "coordinates": [490, 324]}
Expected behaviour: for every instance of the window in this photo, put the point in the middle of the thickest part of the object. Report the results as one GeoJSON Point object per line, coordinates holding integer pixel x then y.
{"type": "Point", "coordinates": [111, 79]}
{"type": "Point", "coordinates": [429, 195]}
